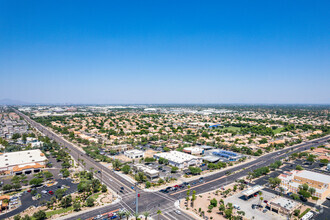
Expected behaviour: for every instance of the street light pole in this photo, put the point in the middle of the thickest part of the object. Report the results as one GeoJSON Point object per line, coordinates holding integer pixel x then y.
{"type": "Point", "coordinates": [137, 200]}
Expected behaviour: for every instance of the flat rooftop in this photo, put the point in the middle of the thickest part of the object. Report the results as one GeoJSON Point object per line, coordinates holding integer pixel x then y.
{"type": "Point", "coordinates": [314, 176]}
{"type": "Point", "coordinates": [177, 156]}
{"type": "Point", "coordinates": [285, 203]}
{"type": "Point", "coordinates": [21, 157]}
{"type": "Point", "coordinates": [252, 190]}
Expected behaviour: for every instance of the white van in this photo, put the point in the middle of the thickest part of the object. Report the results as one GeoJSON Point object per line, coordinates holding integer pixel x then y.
{"type": "Point", "coordinates": [307, 216]}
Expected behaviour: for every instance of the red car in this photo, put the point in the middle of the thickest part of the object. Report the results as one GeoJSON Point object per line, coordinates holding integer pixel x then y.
{"type": "Point", "coordinates": [50, 192]}
{"type": "Point", "coordinates": [29, 190]}
{"type": "Point", "coordinates": [176, 186]}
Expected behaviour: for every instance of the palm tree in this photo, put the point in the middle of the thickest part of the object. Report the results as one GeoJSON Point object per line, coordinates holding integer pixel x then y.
{"type": "Point", "coordinates": [260, 200]}
{"type": "Point", "coordinates": [159, 213]}
{"type": "Point", "coordinates": [120, 214]}
{"type": "Point", "coordinates": [128, 214]}
{"type": "Point", "coordinates": [250, 176]}
{"type": "Point", "coordinates": [146, 214]}
{"type": "Point", "coordinates": [136, 215]}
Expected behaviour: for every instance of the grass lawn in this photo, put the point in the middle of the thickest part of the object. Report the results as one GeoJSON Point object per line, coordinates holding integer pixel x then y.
{"type": "Point", "coordinates": [231, 128]}
{"type": "Point", "coordinates": [278, 130]}
{"type": "Point", "coordinates": [59, 211]}
{"type": "Point", "coordinates": [95, 196]}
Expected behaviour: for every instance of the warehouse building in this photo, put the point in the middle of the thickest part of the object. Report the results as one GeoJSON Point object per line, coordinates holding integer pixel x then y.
{"type": "Point", "coordinates": [180, 159]}
{"type": "Point", "coordinates": [22, 162]}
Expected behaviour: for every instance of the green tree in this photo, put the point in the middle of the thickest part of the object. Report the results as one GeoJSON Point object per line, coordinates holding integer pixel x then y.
{"type": "Point", "coordinates": [195, 170]}
{"type": "Point", "coordinates": [65, 172]}
{"type": "Point", "coordinates": [66, 201]}
{"type": "Point", "coordinates": [104, 188]}
{"type": "Point", "coordinates": [17, 217]}
{"type": "Point", "coordinates": [174, 169]}
{"type": "Point", "coordinates": [274, 182]}
{"type": "Point", "coordinates": [26, 217]}
{"type": "Point", "coordinates": [90, 202]}
{"type": "Point", "coordinates": [148, 184]}
{"type": "Point", "coordinates": [298, 167]}
{"type": "Point", "coordinates": [214, 202]}
{"type": "Point", "coordinates": [48, 175]}
{"type": "Point", "coordinates": [228, 213]}
{"type": "Point", "coordinates": [311, 190]}
{"type": "Point", "coordinates": [40, 215]}
{"type": "Point", "coordinates": [159, 213]}
{"type": "Point", "coordinates": [146, 215]}
{"type": "Point", "coordinates": [126, 169]}
{"type": "Point", "coordinates": [36, 181]}
{"type": "Point", "coordinates": [7, 187]}
{"type": "Point", "coordinates": [324, 161]}
{"type": "Point", "coordinates": [60, 193]}
{"type": "Point", "coordinates": [76, 206]}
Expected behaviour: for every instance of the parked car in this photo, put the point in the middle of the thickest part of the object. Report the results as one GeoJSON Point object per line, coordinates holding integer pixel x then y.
{"type": "Point", "coordinates": [50, 192]}
{"type": "Point", "coordinates": [237, 207]}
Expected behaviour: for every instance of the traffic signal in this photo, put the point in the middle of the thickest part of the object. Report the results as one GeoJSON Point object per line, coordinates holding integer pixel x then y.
{"type": "Point", "coordinates": [139, 195]}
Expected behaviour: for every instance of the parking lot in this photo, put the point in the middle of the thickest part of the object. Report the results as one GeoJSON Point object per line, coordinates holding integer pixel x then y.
{"type": "Point", "coordinates": [27, 201]}
{"type": "Point", "coordinates": [254, 213]}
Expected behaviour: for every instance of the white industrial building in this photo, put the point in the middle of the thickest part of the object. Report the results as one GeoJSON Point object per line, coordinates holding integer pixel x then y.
{"type": "Point", "coordinates": [179, 159]}
{"type": "Point", "coordinates": [133, 154]}
{"type": "Point", "coordinates": [22, 161]}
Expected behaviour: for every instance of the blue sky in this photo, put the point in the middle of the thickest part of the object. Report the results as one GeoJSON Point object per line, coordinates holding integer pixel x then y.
{"type": "Point", "coordinates": [165, 51]}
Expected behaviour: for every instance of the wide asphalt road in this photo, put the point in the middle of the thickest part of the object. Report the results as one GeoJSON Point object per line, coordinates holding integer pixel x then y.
{"type": "Point", "coordinates": [152, 201]}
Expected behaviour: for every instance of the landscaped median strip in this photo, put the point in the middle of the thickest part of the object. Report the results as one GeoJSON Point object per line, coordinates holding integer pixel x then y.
{"type": "Point", "coordinates": [199, 185]}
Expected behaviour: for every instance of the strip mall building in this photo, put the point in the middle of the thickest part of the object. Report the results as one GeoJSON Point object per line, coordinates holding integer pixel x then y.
{"type": "Point", "coordinates": [22, 162]}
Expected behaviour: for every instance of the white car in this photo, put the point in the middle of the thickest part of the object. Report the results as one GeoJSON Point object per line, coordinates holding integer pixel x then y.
{"type": "Point", "coordinates": [178, 212]}
{"type": "Point", "coordinates": [44, 191]}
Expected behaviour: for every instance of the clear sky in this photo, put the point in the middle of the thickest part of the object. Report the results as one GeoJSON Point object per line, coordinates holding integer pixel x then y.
{"type": "Point", "coordinates": [165, 51]}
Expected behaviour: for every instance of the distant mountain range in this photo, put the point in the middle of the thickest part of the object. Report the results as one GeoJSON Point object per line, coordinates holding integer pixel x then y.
{"type": "Point", "coordinates": [13, 102]}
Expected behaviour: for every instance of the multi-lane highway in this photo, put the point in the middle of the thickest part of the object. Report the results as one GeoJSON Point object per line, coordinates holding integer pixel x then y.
{"type": "Point", "coordinates": [152, 201]}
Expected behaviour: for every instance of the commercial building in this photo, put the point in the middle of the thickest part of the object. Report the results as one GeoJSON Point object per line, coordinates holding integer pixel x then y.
{"type": "Point", "coordinates": [193, 150]}
{"type": "Point", "coordinates": [221, 155]}
{"type": "Point", "coordinates": [291, 181]}
{"type": "Point", "coordinates": [134, 154]}
{"type": "Point", "coordinates": [22, 162]}
{"type": "Point", "coordinates": [149, 172]}
{"type": "Point", "coordinates": [179, 159]}
{"type": "Point", "coordinates": [283, 205]}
